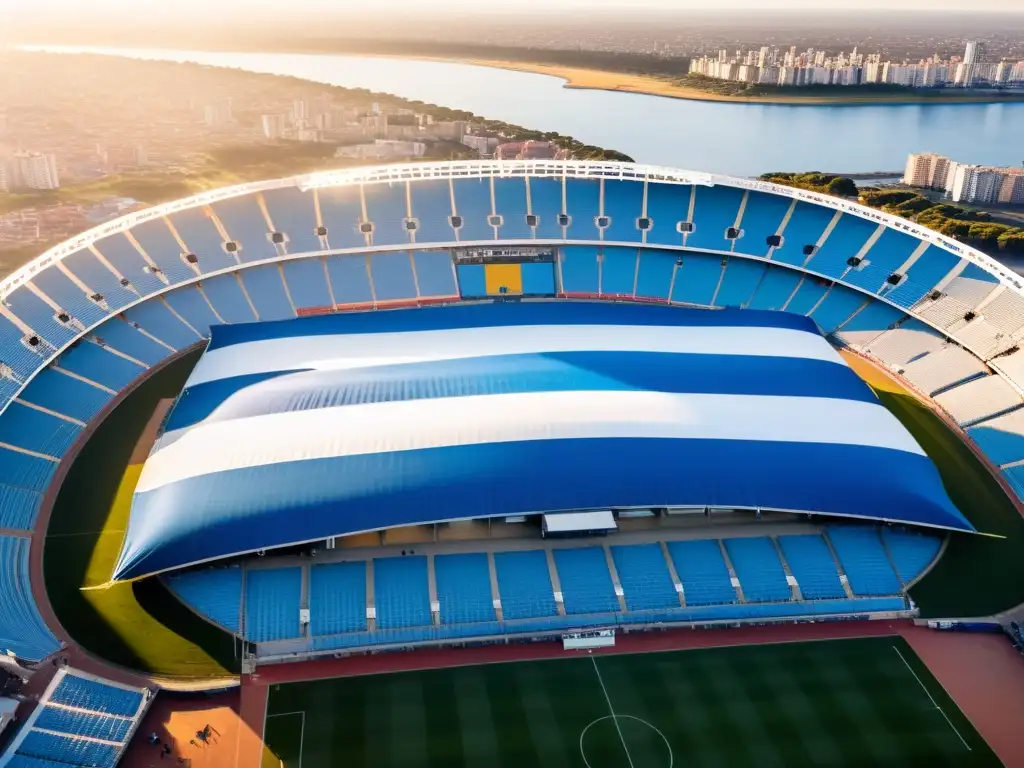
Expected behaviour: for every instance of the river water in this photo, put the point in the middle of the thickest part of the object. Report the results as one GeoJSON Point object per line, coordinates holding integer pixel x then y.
{"type": "Point", "coordinates": [736, 139]}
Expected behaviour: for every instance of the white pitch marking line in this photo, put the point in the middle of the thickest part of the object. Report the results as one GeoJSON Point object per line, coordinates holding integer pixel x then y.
{"type": "Point", "coordinates": [302, 728]}
{"type": "Point", "coordinates": [932, 699]}
{"type": "Point", "coordinates": [612, 711]}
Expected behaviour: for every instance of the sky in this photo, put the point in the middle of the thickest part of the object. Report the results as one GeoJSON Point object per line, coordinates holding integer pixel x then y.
{"type": "Point", "coordinates": [143, 10]}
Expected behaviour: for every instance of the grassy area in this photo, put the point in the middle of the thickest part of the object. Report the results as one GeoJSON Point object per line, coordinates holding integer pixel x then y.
{"type": "Point", "coordinates": [977, 575]}
{"type": "Point", "coordinates": [848, 702]}
{"type": "Point", "coordinates": [140, 625]}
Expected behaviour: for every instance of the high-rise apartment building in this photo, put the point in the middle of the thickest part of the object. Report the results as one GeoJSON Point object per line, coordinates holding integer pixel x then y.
{"type": "Point", "coordinates": [970, 63]}
{"type": "Point", "coordinates": [977, 184]}
{"type": "Point", "coordinates": [1012, 190]}
{"type": "Point", "coordinates": [926, 170]}
{"type": "Point", "coordinates": [4, 187]}
{"type": "Point", "coordinates": [273, 126]}
{"type": "Point", "coordinates": [34, 170]}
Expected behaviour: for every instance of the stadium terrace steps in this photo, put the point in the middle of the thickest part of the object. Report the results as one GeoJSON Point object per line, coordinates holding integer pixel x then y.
{"type": "Point", "coordinates": [911, 552]}
{"type": "Point", "coordinates": [464, 588]}
{"type": "Point", "coordinates": [214, 593]}
{"type": "Point", "coordinates": [272, 597]}
{"type": "Point", "coordinates": [585, 581]}
{"type": "Point", "coordinates": [978, 400]}
{"type": "Point", "coordinates": [400, 592]}
{"type": "Point", "coordinates": [644, 576]}
{"type": "Point", "coordinates": [337, 598]}
{"type": "Point", "coordinates": [812, 566]}
{"type": "Point", "coordinates": [868, 568]}
{"type": "Point", "coordinates": [1001, 438]}
{"type": "Point", "coordinates": [22, 630]}
{"type": "Point", "coordinates": [524, 584]}
{"type": "Point", "coordinates": [946, 367]}
{"type": "Point", "coordinates": [759, 569]}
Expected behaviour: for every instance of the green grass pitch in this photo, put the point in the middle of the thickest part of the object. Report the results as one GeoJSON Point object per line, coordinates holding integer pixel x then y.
{"type": "Point", "coordinates": [829, 703]}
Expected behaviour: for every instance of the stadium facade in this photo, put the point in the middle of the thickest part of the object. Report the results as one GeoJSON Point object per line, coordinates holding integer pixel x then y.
{"type": "Point", "coordinates": [84, 321]}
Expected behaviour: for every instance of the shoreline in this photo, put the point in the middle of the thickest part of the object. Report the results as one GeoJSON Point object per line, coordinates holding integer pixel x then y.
{"type": "Point", "coordinates": [648, 85]}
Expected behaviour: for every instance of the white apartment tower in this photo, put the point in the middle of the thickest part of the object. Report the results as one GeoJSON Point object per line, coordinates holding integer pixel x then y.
{"type": "Point", "coordinates": [33, 170]}
{"type": "Point", "coordinates": [976, 184]}
{"type": "Point", "coordinates": [970, 63]}
{"type": "Point", "coordinates": [926, 170]}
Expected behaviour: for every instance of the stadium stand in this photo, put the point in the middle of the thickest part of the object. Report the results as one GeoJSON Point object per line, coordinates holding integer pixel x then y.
{"type": "Point", "coordinates": [812, 566]}
{"type": "Point", "coordinates": [400, 592]}
{"type": "Point", "coordinates": [978, 400]}
{"type": "Point", "coordinates": [908, 341]}
{"type": "Point", "coordinates": [524, 584]}
{"type": "Point", "coordinates": [464, 588]}
{"type": "Point", "coordinates": [156, 319]}
{"type": "Point", "coordinates": [586, 583]}
{"type": "Point", "coordinates": [643, 574]}
{"type": "Point", "coordinates": [869, 323]}
{"type": "Point", "coordinates": [759, 570]}
{"type": "Point", "coordinates": [81, 720]}
{"type": "Point", "coordinates": [22, 630]}
{"type": "Point", "coordinates": [215, 593]}
{"type": "Point", "coordinates": [272, 597]}
{"type": "Point", "coordinates": [864, 560]}
{"type": "Point", "coordinates": [775, 288]}
{"type": "Point", "coordinates": [702, 572]}
{"type": "Point", "coordinates": [337, 598]}
{"type": "Point", "coordinates": [911, 552]}
{"type": "Point", "coordinates": [1001, 438]}
{"type": "Point", "coordinates": [946, 367]}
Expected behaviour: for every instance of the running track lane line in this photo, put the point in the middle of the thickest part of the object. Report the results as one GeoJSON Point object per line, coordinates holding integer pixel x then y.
{"type": "Point", "coordinates": [932, 699]}
{"type": "Point", "coordinates": [612, 712]}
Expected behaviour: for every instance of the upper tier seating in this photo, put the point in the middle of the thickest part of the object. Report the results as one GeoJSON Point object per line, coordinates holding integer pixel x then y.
{"type": "Point", "coordinates": [911, 552]}
{"type": "Point", "coordinates": [978, 400]}
{"type": "Point", "coordinates": [702, 571]}
{"type": "Point", "coordinates": [337, 598]}
{"type": "Point", "coordinates": [944, 368]}
{"type": "Point", "coordinates": [643, 574]}
{"type": "Point", "coordinates": [759, 570]}
{"type": "Point", "coordinates": [911, 340]}
{"type": "Point", "coordinates": [22, 630]}
{"type": "Point", "coordinates": [272, 597]}
{"type": "Point", "coordinates": [216, 593]}
{"type": "Point", "coordinates": [1001, 438]}
{"type": "Point", "coordinates": [400, 591]}
{"type": "Point", "coordinates": [524, 584]}
{"type": "Point", "coordinates": [868, 569]}
{"type": "Point", "coordinates": [585, 580]}
{"type": "Point", "coordinates": [812, 565]}
{"type": "Point", "coordinates": [464, 588]}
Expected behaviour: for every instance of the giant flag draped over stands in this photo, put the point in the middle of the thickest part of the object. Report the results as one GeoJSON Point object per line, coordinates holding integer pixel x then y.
{"type": "Point", "coordinates": [294, 431]}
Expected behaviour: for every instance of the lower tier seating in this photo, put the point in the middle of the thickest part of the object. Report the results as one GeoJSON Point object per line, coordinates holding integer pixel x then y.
{"type": "Point", "coordinates": [22, 630]}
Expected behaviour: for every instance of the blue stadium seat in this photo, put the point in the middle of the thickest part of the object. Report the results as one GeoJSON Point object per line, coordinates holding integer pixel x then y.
{"type": "Point", "coordinates": [524, 584]}
{"type": "Point", "coordinates": [350, 279]}
{"type": "Point", "coordinates": [654, 274]}
{"type": "Point", "coordinates": [911, 551]}
{"type": "Point", "coordinates": [838, 306]}
{"type": "Point", "coordinates": [644, 576]}
{"type": "Point", "coordinates": [510, 204]}
{"type": "Point", "coordinates": [1015, 477]}
{"type": "Point", "coordinates": [876, 317]}
{"type": "Point", "coordinates": [667, 206]}
{"type": "Point", "coordinates": [126, 259]}
{"type": "Point", "coordinates": [86, 267]}
{"type": "Point", "coordinates": [392, 276]}
{"type": "Point", "coordinates": [882, 259]}
{"type": "Point", "coordinates": [337, 598]}
{"type": "Point", "coordinates": [215, 593]}
{"type": "Point", "coordinates": [272, 597]}
{"type": "Point", "coordinates": [33, 430]}
{"type": "Point", "coordinates": [464, 588]}
{"type": "Point", "coordinates": [775, 288]}
{"type": "Point", "coordinates": [400, 592]}
{"type": "Point", "coordinates": [583, 204]}
{"type": "Point", "coordinates": [68, 750]}
{"type": "Point", "coordinates": [293, 214]}
{"type": "Point", "coordinates": [922, 276]}
{"type": "Point", "coordinates": [18, 507]}
{"type": "Point", "coordinates": [194, 308]}
{"type": "Point", "coordinates": [741, 278]}
{"type": "Point", "coordinates": [579, 270]}
{"type": "Point", "coordinates": [387, 209]}
{"type": "Point", "coordinates": [197, 231]}
{"type": "Point", "coordinates": [24, 761]}
{"type": "Point", "coordinates": [65, 394]}
{"type": "Point", "coordinates": [341, 210]}
{"type": "Point", "coordinates": [546, 205]}
{"type": "Point", "coordinates": [618, 271]}
{"type": "Point", "coordinates": [307, 282]}
{"type": "Point", "coordinates": [22, 630]}
{"type": "Point", "coordinates": [762, 217]}
{"type": "Point", "coordinates": [473, 206]}
{"type": "Point", "coordinates": [623, 205]}
{"type": "Point", "coordinates": [120, 335]}
{"type": "Point", "coordinates": [586, 582]}
{"type": "Point", "coordinates": [716, 209]}
{"type": "Point", "coordinates": [435, 276]}
{"type": "Point", "coordinates": [21, 359]}
{"type": "Point", "coordinates": [845, 241]}
{"type": "Point", "coordinates": [224, 293]}
{"type": "Point", "coordinates": [75, 723]}
{"type": "Point", "coordinates": [155, 318]}
{"type": "Point", "coordinates": [1001, 438]}
{"type": "Point", "coordinates": [812, 566]}
{"type": "Point", "coordinates": [805, 227]}
{"type": "Point", "coordinates": [97, 364]}
{"type": "Point", "coordinates": [265, 287]}
{"type": "Point", "coordinates": [83, 693]}
{"type": "Point", "coordinates": [863, 558]}
{"type": "Point", "coordinates": [39, 315]}
{"type": "Point", "coordinates": [246, 226]}
{"type": "Point", "coordinates": [759, 570]}
{"type": "Point", "coordinates": [432, 209]}
{"type": "Point", "coordinates": [807, 296]}
{"type": "Point", "coordinates": [23, 470]}
{"type": "Point", "coordinates": [68, 296]}
{"type": "Point", "coordinates": [702, 571]}
{"type": "Point", "coordinates": [158, 242]}
{"type": "Point", "coordinates": [697, 279]}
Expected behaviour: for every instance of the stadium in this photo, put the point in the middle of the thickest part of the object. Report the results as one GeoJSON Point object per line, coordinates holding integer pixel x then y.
{"type": "Point", "coordinates": [350, 437]}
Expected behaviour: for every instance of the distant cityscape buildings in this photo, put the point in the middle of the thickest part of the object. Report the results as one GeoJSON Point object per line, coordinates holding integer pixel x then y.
{"type": "Point", "coordinates": [966, 183]}
{"type": "Point", "coordinates": [770, 66]}
{"type": "Point", "coordinates": [25, 171]}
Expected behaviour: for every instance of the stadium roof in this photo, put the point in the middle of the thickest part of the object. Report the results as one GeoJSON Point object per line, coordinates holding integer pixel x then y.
{"type": "Point", "coordinates": [295, 431]}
